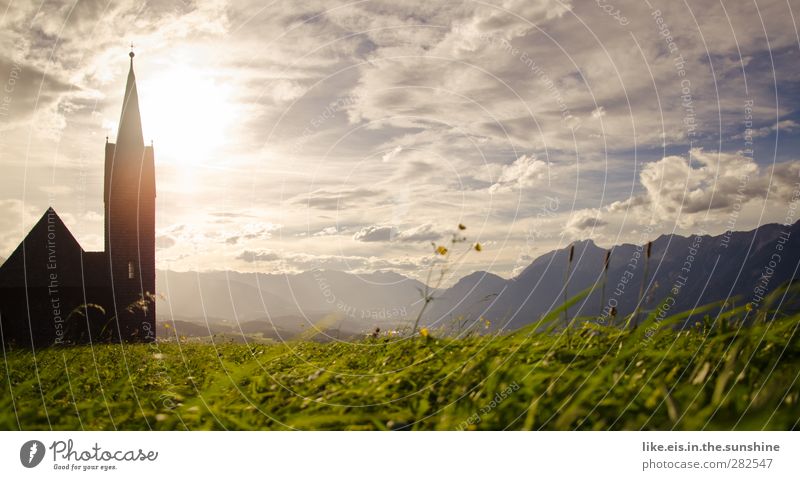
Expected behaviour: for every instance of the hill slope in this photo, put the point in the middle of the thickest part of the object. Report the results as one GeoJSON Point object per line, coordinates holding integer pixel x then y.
{"type": "Point", "coordinates": [717, 376]}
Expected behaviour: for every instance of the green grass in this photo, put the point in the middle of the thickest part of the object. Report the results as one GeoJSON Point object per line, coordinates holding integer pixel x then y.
{"type": "Point", "coordinates": [717, 375]}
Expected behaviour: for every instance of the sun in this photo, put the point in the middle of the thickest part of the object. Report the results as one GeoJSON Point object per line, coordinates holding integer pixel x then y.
{"type": "Point", "coordinates": [187, 114]}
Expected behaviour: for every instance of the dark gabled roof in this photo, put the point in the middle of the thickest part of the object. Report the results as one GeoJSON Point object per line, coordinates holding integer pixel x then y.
{"type": "Point", "coordinates": [48, 249]}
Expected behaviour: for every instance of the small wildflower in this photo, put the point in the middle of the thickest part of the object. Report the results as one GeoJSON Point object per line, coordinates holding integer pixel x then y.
{"type": "Point", "coordinates": [478, 247]}
{"type": "Point", "coordinates": [167, 326]}
{"type": "Point", "coordinates": [749, 307]}
{"type": "Point", "coordinates": [461, 226]}
{"type": "Point", "coordinates": [423, 332]}
{"type": "Point", "coordinates": [441, 250]}
{"type": "Point", "coordinates": [487, 324]}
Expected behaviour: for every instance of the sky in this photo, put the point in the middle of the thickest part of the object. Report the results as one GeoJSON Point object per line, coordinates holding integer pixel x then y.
{"type": "Point", "coordinates": [293, 135]}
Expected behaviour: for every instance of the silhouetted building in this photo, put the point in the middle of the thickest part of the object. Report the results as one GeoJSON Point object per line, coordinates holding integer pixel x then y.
{"type": "Point", "coordinates": [53, 292]}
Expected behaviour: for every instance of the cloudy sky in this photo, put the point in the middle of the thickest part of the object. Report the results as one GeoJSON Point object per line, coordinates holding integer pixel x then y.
{"type": "Point", "coordinates": [291, 135]}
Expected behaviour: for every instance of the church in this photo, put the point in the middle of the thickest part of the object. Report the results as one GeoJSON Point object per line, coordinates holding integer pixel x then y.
{"type": "Point", "coordinates": [52, 292]}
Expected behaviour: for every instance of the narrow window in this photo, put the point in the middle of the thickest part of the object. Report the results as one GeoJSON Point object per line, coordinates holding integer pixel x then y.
{"type": "Point", "coordinates": [130, 271]}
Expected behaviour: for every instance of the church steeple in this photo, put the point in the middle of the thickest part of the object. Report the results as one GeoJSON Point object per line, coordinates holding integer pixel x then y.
{"type": "Point", "coordinates": [129, 135]}
{"type": "Point", "coordinates": [130, 211]}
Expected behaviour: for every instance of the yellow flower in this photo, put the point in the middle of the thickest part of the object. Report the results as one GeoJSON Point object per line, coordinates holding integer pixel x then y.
{"type": "Point", "coordinates": [461, 226]}
{"type": "Point", "coordinates": [749, 307]}
{"type": "Point", "coordinates": [166, 325]}
{"type": "Point", "coordinates": [478, 247]}
{"type": "Point", "coordinates": [423, 332]}
{"type": "Point", "coordinates": [441, 250]}
{"type": "Point", "coordinates": [487, 324]}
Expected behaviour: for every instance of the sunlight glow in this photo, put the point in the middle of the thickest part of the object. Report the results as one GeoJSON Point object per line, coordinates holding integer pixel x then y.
{"type": "Point", "coordinates": [186, 113]}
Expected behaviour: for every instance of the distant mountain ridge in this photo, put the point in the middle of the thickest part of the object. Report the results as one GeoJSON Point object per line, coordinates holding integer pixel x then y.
{"type": "Point", "coordinates": [700, 268]}
{"type": "Point", "coordinates": [293, 302]}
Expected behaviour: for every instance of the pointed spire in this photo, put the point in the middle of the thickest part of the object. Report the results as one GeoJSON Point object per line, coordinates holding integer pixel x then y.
{"type": "Point", "coordinates": [130, 122]}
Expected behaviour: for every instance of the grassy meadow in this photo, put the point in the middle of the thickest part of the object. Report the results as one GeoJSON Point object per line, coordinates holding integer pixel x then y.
{"type": "Point", "coordinates": [719, 374]}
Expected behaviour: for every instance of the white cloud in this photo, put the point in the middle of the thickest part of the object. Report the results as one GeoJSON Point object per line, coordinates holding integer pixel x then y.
{"type": "Point", "coordinates": [327, 231]}
{"type": "Point", "coordinates": [252, 256]}
{"type": "Point", "coordinates": [783, 125]}
{"type": "Point", "coordinates": [525, 171]}
{"type": "Point", "coordinates": [688, 189]}
{"type": "Point", "coordinates": [386, 233]}
{"type": "Point", "coordinates": [376, 233]}
{"type": "Point", "coordinates": [391, 154]}
{"type": "Point", "coordinates": [582, 222]}
{"type": "Point", "coordinates": [286, 90]}
{"type": "Point", "coordinates": [423, 233]}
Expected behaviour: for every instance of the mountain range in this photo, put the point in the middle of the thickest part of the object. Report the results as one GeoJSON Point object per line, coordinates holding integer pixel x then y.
{"type": "Point", "coordinates": [683, 272]}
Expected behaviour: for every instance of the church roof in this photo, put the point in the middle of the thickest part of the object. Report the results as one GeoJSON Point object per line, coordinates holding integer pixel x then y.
{"type": "Point", "coordinates": [49, 248]}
